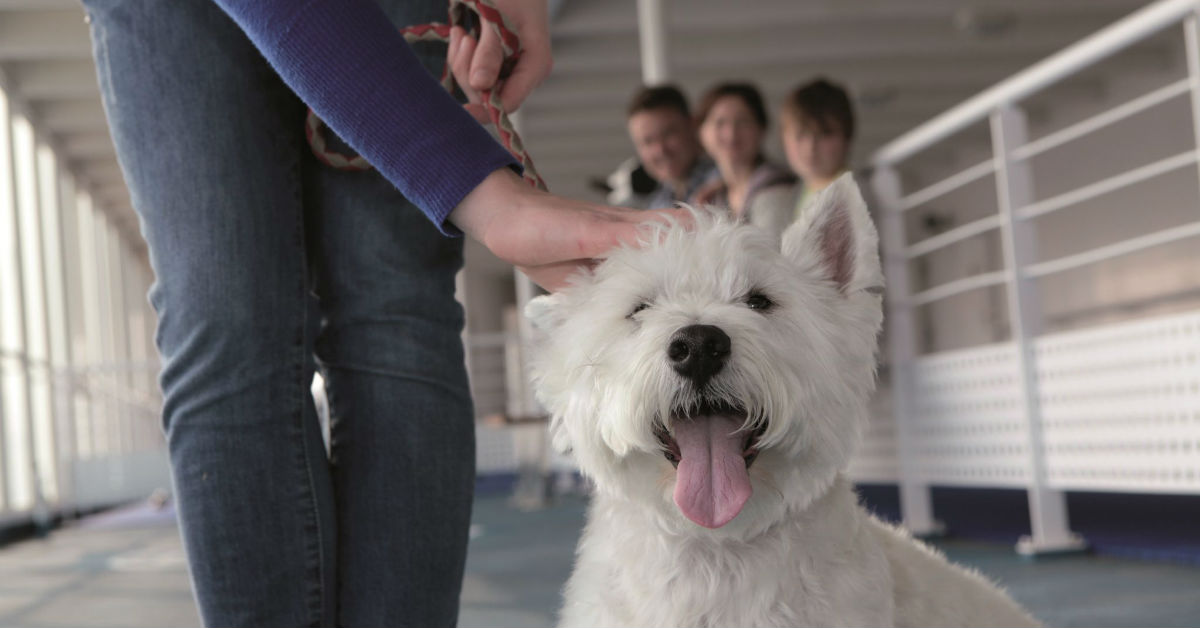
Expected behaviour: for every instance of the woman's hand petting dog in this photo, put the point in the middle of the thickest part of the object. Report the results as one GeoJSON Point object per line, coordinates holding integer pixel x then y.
{"type": "Point", "coordinates": [547, 237]}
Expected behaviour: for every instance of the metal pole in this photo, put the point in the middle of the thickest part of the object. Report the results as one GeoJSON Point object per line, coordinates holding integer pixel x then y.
{"type": "Point", "coordinates": [916, 506]}
{"type": "Point", "coordinates": [47, 202]}
{"type": "Point", "coordinates": [652, 37]}
{"type": "Point", "coordinates": [124, 352]}
{"type": "Point", "coordinates": [4, 505]}
{"type": "Point", "coordinates": [5, 143]}
{"type": "Point", "coordinates": [35, 484]}
{"type": "Point", "coordinates": [1191, 37]}
{"type": "Point", "coordinates": [1014, 188]}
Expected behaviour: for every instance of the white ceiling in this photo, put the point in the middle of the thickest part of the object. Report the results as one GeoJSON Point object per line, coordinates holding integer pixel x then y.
{"type": "Point", "coordinates": [904, 61]}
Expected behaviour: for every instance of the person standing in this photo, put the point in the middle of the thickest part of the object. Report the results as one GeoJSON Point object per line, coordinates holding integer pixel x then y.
{"type": "Point", "coordinates": [270, 265]}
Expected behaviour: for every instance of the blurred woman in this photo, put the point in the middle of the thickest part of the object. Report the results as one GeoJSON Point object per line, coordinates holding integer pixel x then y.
{"type": "Point", "coordinates": [733, 122]}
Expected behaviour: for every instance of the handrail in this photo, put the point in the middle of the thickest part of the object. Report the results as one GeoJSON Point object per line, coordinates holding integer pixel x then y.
{"type": "Point", "coordinates": [1103, 119]}
{"type": "Point", "coordinates": [1125, 247]}
{"type": "Point", "coordinates": [1104, 186]}
{"type": "Point", "coordinates": [948, 185]}
{"type": "Point", "coordinates": [1134, 28]}
{"type": "Point", "coordinates": [953, 236]}
{"type": "Point", "coordinates": [958, 286]}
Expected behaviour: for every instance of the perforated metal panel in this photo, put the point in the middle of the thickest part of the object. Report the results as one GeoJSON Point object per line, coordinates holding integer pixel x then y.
{"type": "Point", "coordinates": [1121, 406]}
{"type": "Point", "coordinates": [967, 428]}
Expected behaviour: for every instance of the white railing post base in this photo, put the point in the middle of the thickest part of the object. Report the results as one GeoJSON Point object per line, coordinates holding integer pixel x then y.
{"type": "Point", "coordinates": [1032, 548]}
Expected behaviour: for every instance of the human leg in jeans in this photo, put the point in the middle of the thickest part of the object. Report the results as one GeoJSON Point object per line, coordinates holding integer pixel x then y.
{"type": "Point", "coordinates": [390, 350]}
{"type": "Point", "coordinates": [210, 142]}
{"type": "Point", "coordinates": [402, 428]}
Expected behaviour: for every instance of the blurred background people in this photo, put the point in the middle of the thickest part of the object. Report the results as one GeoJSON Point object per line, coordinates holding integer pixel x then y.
{"type": "Point", "coordinates": [732, 122]}
{"type": "Point", "coordinates": [817, 126]}
{"type": "Point", "coordinates": [661, 128]}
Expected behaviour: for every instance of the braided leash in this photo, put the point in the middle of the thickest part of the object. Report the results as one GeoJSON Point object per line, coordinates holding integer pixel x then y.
{"type": "Point", "coordinates": [470, 14]}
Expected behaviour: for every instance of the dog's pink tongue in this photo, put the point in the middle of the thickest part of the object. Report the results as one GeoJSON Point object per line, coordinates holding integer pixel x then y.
{"type": "Point", "coordinates": [712, 483]}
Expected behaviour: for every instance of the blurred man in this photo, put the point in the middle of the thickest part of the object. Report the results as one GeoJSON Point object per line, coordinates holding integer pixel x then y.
{"type": "Point", "coordinates": [664, 136]}
{"type": "Point", "coordinates": [817, 127]}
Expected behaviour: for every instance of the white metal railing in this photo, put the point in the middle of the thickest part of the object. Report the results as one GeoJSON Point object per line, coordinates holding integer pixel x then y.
{"type": "Point", "coordinates": [969, 417]}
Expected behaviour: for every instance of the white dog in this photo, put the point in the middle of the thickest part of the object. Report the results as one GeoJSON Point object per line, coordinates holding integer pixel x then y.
{"type": "Point", "coordinates": [714, 387]}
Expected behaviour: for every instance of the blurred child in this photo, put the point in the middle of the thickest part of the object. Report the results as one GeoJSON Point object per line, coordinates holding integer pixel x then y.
{"type": "Point", "coordinates": [817, 126]}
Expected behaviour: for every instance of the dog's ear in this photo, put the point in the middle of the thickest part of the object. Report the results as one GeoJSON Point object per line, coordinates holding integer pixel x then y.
{"type": "Point", "coordinates": [837, 238]}
{"type": "Point", "coordinates": [545, 312]}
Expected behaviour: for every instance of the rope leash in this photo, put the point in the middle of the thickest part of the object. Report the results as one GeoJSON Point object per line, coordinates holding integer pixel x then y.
{"type": "Point", "coordinates": [472, 15]}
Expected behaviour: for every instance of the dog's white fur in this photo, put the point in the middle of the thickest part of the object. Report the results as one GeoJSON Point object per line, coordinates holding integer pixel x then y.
{"type": "Point", "coordinates": [802, 552]}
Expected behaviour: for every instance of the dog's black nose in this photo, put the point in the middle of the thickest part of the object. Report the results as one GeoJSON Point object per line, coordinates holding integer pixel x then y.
{"type": "Point", "coordinates": [698, 352]}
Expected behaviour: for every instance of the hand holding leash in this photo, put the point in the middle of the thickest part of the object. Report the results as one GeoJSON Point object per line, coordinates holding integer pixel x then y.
{"type": "Point", "coordinates": [479, 62]}
{"type": "Point", "coordinates": [499, 47]}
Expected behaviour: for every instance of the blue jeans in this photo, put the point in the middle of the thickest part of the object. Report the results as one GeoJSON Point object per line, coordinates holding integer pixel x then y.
{"type": "Point", "coordinates": [270, 265]}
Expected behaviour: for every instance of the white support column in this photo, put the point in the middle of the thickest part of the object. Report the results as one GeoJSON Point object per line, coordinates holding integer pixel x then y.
{"type": "Point", "coordinates": [124, 354]}
{"type": "Point", "coordinates": [68, 449]}
{"type": "Point", "coordinates": [34, 481]}
{"type": "Point", "coordinates": [48, 204]}
{"type": "Point", "coordinates": [4, 492]}
{"type": "Point", "coordinates": [1191, 37]}
{"type": "Point", "coordinates": [652, 38]}
{"type": "Point", "coordinates": [526, 402]}
{"type": "Point", "coordinates": [916, 507]}
{"type": "Point", "coordinates": [1014, 188]}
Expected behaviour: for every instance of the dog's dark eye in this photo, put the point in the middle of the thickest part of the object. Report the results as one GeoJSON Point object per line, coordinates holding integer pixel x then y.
{"type": "Point", "coordinates": [640, 306]}
{"type": "Point", "coordinates": [759, 301]}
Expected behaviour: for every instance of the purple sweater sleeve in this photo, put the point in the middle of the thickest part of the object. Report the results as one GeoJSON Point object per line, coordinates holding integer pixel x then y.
{"type": "Point", "coordinates": [347, 61]}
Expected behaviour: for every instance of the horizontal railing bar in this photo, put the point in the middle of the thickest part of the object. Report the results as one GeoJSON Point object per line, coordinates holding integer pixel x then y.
{"type": "Point", "coordinates": [1107, 42]}
{"type": "Point", "coordinates": [1101, 120]}
{"type": "Point", "coordinates": [1109, 184]}
{"type": "Point", "coordinates": [947, 185]}
{"type": "Point", "coordinates": [957, 234]}
{"type": "Point", "coordinates": [1110, 251]}
{"type": "Point", "coordinates": [958, 286]}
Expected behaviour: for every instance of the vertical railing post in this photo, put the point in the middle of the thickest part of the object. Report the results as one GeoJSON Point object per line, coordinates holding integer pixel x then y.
{"type": "Point", "coordinates": [4, 498]}
{"type": "Point", "coordinates": [652, 37]}
{"type": "Point", "coordinates": [526, 403]}
{"type": "Point", "coordinates": [1014, 188]}
{"type": "Point", "coordinates": [916, 506]}
{"type": "Point", "coordinates": [33, 468]}
{"type": "Point", "coordinates": [48, 203]}
{"type": "Point", "coordinates": [1191, 38]}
